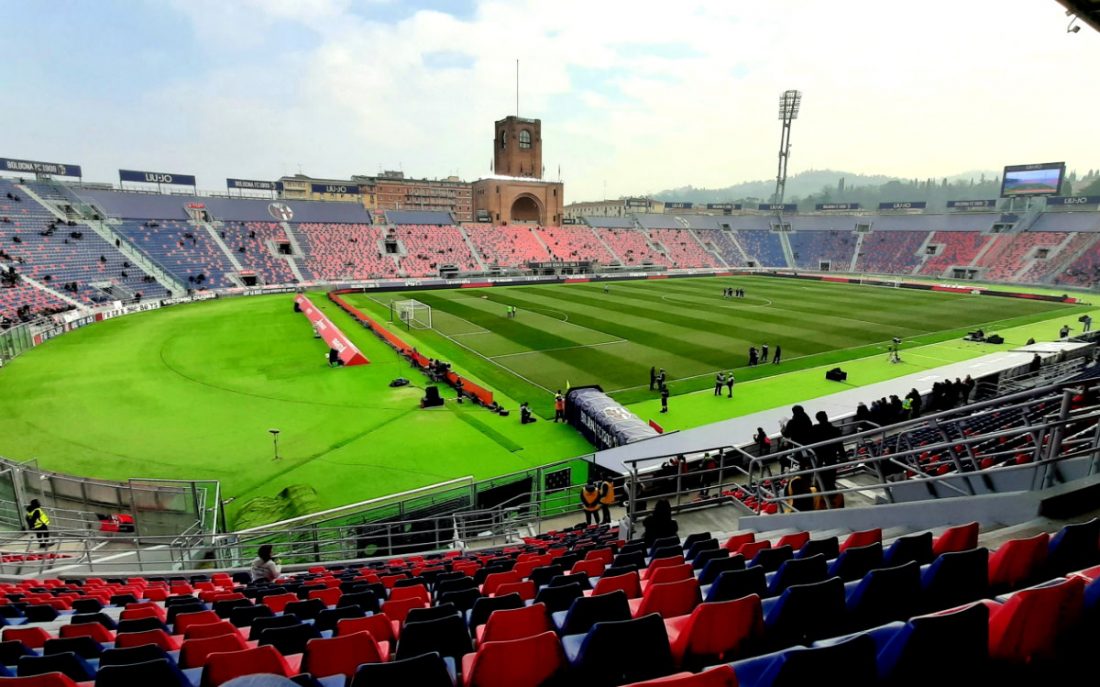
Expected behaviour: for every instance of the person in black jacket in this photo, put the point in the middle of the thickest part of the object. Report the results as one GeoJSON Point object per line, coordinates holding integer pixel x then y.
{"type": "Point", "coordinates": [829, 454]}
{"type": "Point", "coordinates": [799, 429]}
{"type": "Point", "coordinates": [660, 523]}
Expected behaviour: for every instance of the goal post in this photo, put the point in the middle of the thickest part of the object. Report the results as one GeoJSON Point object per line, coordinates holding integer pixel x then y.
{"type": "Point", "coordinates": [412, 314]}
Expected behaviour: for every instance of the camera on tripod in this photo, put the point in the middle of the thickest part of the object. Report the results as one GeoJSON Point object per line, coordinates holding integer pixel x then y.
{"type": "Point", "coordinates": [897, 341]}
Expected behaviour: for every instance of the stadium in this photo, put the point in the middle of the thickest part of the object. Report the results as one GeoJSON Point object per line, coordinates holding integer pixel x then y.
{"type": "Point", "coordinates": [377, 429]}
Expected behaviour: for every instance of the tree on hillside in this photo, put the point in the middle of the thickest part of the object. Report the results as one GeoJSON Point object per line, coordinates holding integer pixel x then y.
{"type": "Point", "coordinates": [1091, 189]}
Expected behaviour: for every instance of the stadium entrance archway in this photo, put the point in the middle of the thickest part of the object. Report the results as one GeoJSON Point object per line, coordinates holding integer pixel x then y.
{"type": "Point", "coordinates": [526, 208]}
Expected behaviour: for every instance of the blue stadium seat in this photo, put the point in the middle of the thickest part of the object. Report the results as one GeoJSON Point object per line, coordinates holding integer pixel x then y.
{"type": "Point", "coordinates": [716, 566]}
{"type": "Point", "coordinates": [618, 652]}
{"type": "Point", "coordinates": [848, 662]}
{"type": "Point", "coordinates": [733, 584]}
{"type": "Point", "coordinates": [160, 672]}
{"type": "Point", "coordinates": [797, 571]}
{"type": "Point", "coordinates": [69, 664]}
{"type": "Point", "coordinates": [589, 610]}
{"type": "Point", "coordinates": [884, 595]}
{"type": "Point", "coordinates": [1074, 547]}
{"type": "Point", "coordinates": [914, 547]}
{"type": "Point", "coordinates": [955, 578]}
{"type": "Point", "coordinates": [425, 670]}
{"type": "Point", "coordinates": [805, 613]}
{"type": "Point", "coordinates": [771, 559]}
{"type": "Point", "coordinates": [829, 547]}
{"type": "Point", "coordinates": [447, 636]}
{"type": "Point", "coordinates": [855, 562]}
{"type": "Point", "coordinates": [957, 644]}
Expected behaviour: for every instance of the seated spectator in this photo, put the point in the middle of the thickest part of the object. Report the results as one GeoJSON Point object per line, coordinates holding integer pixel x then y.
{"type": "Point", "coordinates": [264, 566]}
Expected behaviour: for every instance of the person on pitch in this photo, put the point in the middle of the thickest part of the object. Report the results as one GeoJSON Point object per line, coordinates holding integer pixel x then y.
{"type": "Point", "coordinates": [559, 407]}
{"type": "Point", "coordinates": [719, 382]}
{"type": "Point", "coordinates": [729, 384]}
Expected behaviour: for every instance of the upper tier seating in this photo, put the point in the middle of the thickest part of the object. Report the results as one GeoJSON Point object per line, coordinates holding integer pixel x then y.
{"type": "Point", "coordinates": [721, 240]}
{"type": "Point", "coordinates": [343, 251]}
{"type": "Point", "coordinates": [683, 249]}
{"type": "Point", "coordinates": [507, 246]}
{"type": "Point", "coordinates": [258, 241]}
{"type": "Point", "coordinates": [183, 249]}
{"type": "Point", "coordinates": [890, 252]}
{"type": "Point", "coordinates": [958, 248]}
{"type": "Point", "coordinates": [573, 243]}
{"type": "Point", "coordinates": [429, 247]}
{"type": "Point", "coordinates": [66, 254]}
{"type": "Point", "coordinates": [811, 248]}
{"type": "Point", "coordinates": [1010, 253]}
{"type": "Point", "coordinates": [762, 246]}
{"type": "Point", "coordinates": [632, 247]}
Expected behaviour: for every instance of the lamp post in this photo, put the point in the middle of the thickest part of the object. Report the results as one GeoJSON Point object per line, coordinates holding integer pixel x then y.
{"type": "Point", "coordinates": [275, 442]}
{"type": "Point", "coordinates": [789, 103]}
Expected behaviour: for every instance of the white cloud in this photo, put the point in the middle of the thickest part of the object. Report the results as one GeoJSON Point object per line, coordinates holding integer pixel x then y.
{"type": "Point", "coordinates": [642, 95]}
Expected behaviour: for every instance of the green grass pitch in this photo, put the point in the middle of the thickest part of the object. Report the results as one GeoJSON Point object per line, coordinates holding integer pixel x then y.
{"type": "Point", "coordinates": [580, 334]}
{"type": "Point", "coordinates": [190, 391]}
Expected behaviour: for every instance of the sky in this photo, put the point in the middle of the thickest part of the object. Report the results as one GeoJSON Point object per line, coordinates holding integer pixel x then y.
{"type": "Point", "coordinates": [634, 97]}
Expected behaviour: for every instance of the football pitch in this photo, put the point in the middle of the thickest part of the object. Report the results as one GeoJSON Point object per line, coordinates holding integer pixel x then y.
{"type": "Point", "coordinates": [190, 392]}
{"type": "Point", "coordinates": [581, 334]}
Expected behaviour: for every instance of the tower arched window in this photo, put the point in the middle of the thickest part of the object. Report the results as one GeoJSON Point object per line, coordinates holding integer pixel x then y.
{"type": "Point", "coordinates": [524, 139]}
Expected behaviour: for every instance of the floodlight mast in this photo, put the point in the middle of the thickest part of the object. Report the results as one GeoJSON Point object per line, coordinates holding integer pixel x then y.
{"type": "Point", "coordinates": [789, 104]}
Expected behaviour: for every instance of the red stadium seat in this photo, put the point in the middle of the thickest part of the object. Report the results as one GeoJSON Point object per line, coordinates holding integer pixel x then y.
{"type": "Point", "coordinates": [716, 631]}
{"type": "Point", "coordinates": [860, 539]}
{"type": "Point", "coordinates": [45, 680]}
{"type": "Point", "coordinates": [157, 637]}
{"type": "Point", "coordinates": [379, 625]}
{"type": "Point", "coordinates": [527, 662]}
{"type": "Point", "coordinates": [1017, 562]}
{"type": "Point", "coordinates": [718, 676]}
{"type": "Point", "coordinates": [186, 620]}
{"type": "Point", "coordinates": [628, 582]}
{"type": "Point", "coordinates": [278, 602]}
{"type": "Point", "coordinates": [525, 589]}
{"type": "Point", "coordinates": [398, 609]}
{"type": "Point", "coordinates": [194, 652]}
{"type": "Point", "coordinates": [959, 538]}
{"type": "Point", "coordinates": [661, 563]}
{"type": "Point", "coordinates": [32, 637]}
{"type": "Point", "coordinates": [203, 630]}
{"type": "Point", "coordinates": [223, 667]}
{"type": "Point", "coordinates": [341, 655]}
{"type": "Point", "coordinates": [514, 623]}
{"type": "Point", "coordinates": [416, 591]}
{"type": "Point", "coordinates": [1028, 625]}
{"type": "Point", "coordinates": [669, 599]}
{"type": "Point", "coordinates": [330, 596]}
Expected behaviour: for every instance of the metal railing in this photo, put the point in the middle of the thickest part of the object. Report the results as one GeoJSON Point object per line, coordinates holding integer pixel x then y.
{"type": "Point", "coordinates": [1032, 431]}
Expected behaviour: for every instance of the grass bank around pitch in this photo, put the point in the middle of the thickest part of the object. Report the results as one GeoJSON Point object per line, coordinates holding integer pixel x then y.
{"type": "Point", "coordinates": [189, 392]}
{"type": "Point", "coordinates": [578, 334]}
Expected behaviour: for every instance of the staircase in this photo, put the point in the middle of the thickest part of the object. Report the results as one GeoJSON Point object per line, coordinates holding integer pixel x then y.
{"type": "Point", "coordinates": [732, 236]}
{"type": "Point", "coordinates": [713, 253]}
{"type": "Point", "coordinates": [922, 251]}
{"type": "Point", "coordinates": [542, 243]}
{"type": "Point", "coordinates": [53, 292]}
{"type": "Point", "coordinates": [473, 249]}
{"type": "Point", "coordinates": [135, 256]}
{"type": "Point", "coordinates": [606, 245]}
{"type": "Point", "coordinates": [1068, 259]}
{"type": "Point", "coordinates": [209, 227]}
{"type": "Point", "coordinates": [788, 254]}
{"type": "Point", "coordinates": [860, 235]}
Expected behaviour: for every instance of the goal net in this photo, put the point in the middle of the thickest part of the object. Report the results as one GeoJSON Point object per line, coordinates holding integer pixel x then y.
{"type": "Point", "coordinates": [412, 314]}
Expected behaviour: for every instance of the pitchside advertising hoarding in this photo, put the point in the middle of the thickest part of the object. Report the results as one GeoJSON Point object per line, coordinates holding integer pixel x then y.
{"type": "Point", "coordinates": [836, 206]}
{"type": "Point", "coordinates": [142, 177]}
{"type": "Point", "coordinates": [903, 205]}
{"type": "Point", "coordinates": [723, 206]}
{"type": "Point", "coordinates": [971, 204]}
{"type": "Point", "coordinates": [1073, 200]}
{"type": "Point", "coordinates": [678, 206]}
{"type": "Point", "coordinates": [348, 353]}
{"type": "Point", "coordinates": [782, 207]}
{"type": "Point", "coordinates": [1043, 179]}
{"type": "Point", "coordinates": [57, 169]}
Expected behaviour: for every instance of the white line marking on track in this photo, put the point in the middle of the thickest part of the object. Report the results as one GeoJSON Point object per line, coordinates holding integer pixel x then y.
{"type": "Point", "coordinates": [676, 299]}
{"type": "Point", "coordinates": [560, 348]}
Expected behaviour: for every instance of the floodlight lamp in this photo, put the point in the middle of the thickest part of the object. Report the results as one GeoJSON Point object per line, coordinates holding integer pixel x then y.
{"type": "Point", "coordinates": [273, 431]}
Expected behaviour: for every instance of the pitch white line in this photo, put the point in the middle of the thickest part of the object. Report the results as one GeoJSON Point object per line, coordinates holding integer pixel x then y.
{"type": "Point", "coordinates": [678, 300]}
{"type": "Point", "coordinates": [560, 348]}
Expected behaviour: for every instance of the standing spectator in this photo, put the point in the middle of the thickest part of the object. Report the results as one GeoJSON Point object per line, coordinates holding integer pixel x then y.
{"type": "Point", "coordinates": [607, 499]}
{"type": "Point", "coordinates": [265, 567]}
{"type": "Point", "coordinates": [664, 398]}
{"type": "Point", "coordinates": [969, 383]}
{"type": "Point", "coordinates": [729, 383]}
{"type": "Point", "coordinates": [799, 430]}
{"type": "Point", "coordinates": [828, 455]}
{"type": "Point", "coordinates": [914, 403]}
{"type": "Point", "coordinates": [778, 354]}
{"type": "Point", "coordinates": [863, 417]}
{"type": "Point", "coordinates": [39, 523]}
{"type": "Point", "coordinates": [590, 502]}
{"type": "Point", "coordinates": [753, 356]}
{"type": "Point", "coordinates": [559, 407]}
{"type": "Point", "coordinates": [1087, 322]}
{"type": "Point", "coordinates": [719, 382]}
{"type": "Point", "coordinates": [1035, 364]}
{"type": "Point", "coordinates": [764, 353]}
